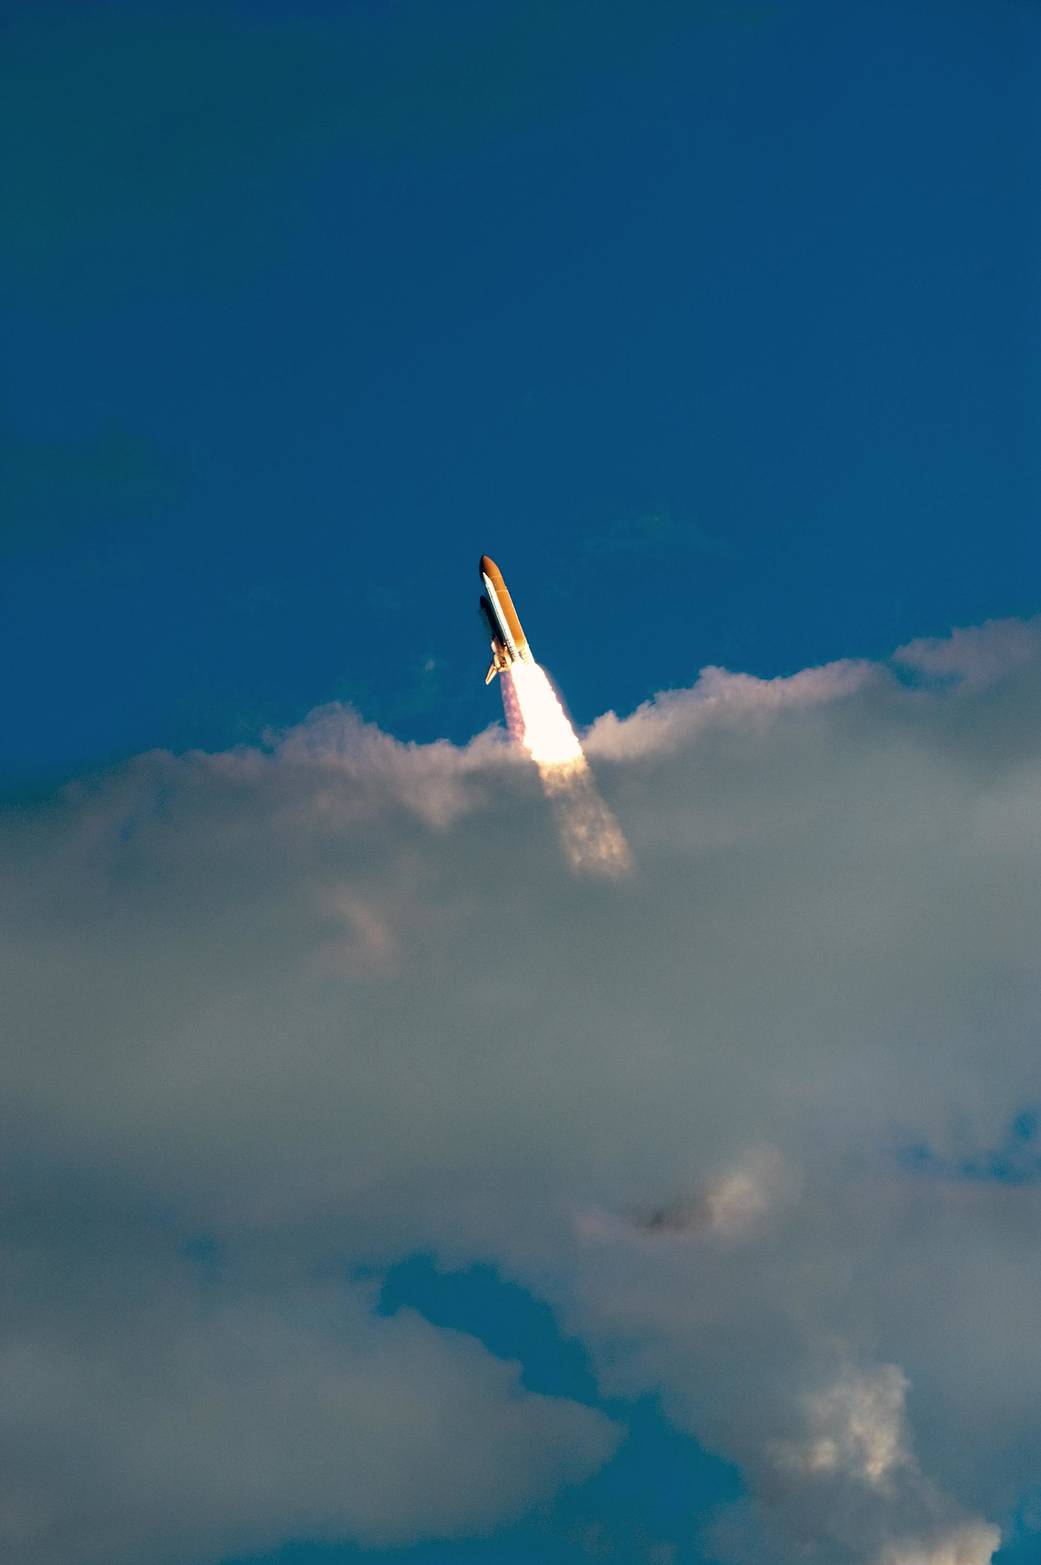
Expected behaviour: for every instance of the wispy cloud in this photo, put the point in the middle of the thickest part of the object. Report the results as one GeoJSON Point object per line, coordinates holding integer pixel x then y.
{"type": "Point", "coordinates": [338, 998]}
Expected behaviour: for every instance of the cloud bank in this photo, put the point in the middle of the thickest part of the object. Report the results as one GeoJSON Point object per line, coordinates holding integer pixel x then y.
{"type": "Point", "coordinates": [755, 1120]}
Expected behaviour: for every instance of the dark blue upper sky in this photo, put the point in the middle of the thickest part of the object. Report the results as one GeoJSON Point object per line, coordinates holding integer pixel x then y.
{"type": "Point", "coordinates": [717, 324]}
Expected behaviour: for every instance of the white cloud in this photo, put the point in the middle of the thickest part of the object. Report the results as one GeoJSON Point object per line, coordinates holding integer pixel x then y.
{"type": "Point", "coordinates": [342, 999]}
{"type": "Point", "coordinates": [855, 1427]}
{"type": "Point", "coordinates": [976, 654]}
{"type": "Point", "coordinates": [673, 717]}
{"type": "Point", "coordinates": [744, 1195]}
{"type": "Point", "coordinates": [167, 1426]}
{"type": "Point", "coordinates": [968, 1545]}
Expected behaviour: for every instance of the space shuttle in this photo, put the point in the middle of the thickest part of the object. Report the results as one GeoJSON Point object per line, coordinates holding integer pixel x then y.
{"type": "Point", "coordinates": [509, 643]}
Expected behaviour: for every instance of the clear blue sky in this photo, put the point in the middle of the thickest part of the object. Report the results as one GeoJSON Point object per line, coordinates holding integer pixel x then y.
{"type": "Point", "coordinates": [717, 324]}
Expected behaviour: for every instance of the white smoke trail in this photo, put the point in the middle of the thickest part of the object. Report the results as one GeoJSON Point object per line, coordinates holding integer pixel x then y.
{"type": "Point", "coordinates": [591, 837]}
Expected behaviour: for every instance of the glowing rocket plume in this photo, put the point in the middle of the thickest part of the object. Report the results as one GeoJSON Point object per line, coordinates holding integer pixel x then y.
{"type": "Point", "coordinates": [592, 839]}
{"type": "Point", "coordinates": [536, 718]}
{"type": "Point", "coordinates": [591, 836]}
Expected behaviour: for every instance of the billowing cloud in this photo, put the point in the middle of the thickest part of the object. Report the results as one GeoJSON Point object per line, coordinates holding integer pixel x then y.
{"type": "Point", "coordinates": [976, 654]}
{"type": "Point", "coordinates": [152, 1423]}
{"type": "Point", "coordinates": [965, 1545]}
{"type": "Point", "coordinates": [743, 1117]}
{"type": "Point", "coordinates": [854, 1426]}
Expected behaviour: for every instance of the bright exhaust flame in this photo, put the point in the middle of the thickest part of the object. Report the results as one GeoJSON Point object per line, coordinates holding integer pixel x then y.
{"type": "Point", "coordinates": [537, 719]}
{"type": "Point", "coordinates": [591, 837]}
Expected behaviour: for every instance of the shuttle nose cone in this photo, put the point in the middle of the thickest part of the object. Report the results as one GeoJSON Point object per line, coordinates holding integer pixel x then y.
{"type": "Point", "coordinates": [488, 567]}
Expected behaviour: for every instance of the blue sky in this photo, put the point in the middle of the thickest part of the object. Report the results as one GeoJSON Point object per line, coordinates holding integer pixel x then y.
{"type": "Point", "coordinates": [718, 318]}
{"type": "Point", "coordinates": [717, 325]}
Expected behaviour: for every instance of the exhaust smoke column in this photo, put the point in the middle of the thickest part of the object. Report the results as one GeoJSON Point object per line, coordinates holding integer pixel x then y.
{"type": "Point", "coordinates": [591, 837]}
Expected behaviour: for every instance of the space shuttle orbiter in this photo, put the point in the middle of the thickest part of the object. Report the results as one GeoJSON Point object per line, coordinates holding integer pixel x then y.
{"type": "Point", "coordinates": [509, 643]}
